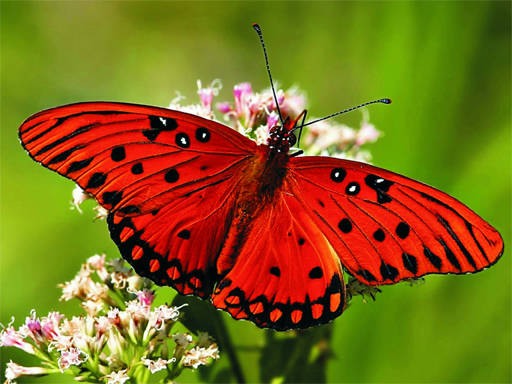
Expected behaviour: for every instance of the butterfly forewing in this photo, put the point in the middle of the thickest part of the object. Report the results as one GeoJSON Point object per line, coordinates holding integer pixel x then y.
{"type": "Point", "coordinates": [386, 227]}
{"type": "Point", "coordinates": [133, 159]}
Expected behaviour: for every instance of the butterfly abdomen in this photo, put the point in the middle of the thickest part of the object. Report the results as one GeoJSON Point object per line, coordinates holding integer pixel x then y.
{"type": "Point", "coordinates": [262, 179]}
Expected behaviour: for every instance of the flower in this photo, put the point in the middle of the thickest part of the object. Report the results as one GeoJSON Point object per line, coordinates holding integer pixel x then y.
{"type": "Point", "coordinates": [13, 371]}
{"type": "Point", "coordinates": [71, 356]}
{"type": "Point", "coordinates": [200, 356]}
{"type": "Point", "coordinates": [118, 377]}
{"type": "Point", "coordinates": [366, 134]}
{"type": "Point", "coordinates": [79, 196]}
{"type": "Point", "coordinates": [146, 297]}
{"type": "Point", "coordinates": [9, 337]}
{"type": "Point", "coordinates": [156, 365]}
{"type": "Point", "coordinates": [101, 213]}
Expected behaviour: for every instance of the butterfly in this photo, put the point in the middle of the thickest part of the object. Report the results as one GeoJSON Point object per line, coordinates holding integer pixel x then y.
{"type": "Point", "coordinates": [261, 232]}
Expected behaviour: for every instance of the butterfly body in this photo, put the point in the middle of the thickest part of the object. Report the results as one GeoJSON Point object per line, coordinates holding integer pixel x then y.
{"type": "Point", "coordinates": [264, 235]}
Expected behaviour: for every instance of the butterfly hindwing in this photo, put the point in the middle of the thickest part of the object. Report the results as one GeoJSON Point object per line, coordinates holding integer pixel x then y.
{"type": "Point", "coordinates": [386, 227]}
{"type": "Point", "coordinates": [133, 159]}
{"type": "Point", "coordinates": [286, 275]}
{"type": "Point", "coordinates": [178, 244]}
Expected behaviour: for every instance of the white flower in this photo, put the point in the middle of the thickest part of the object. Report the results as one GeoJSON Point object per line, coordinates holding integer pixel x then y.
{"type": "Point", "coordinates": [156, 365]}
{"type": "Point", "coordinates": [61, 343]}
{"type": "Point", "coordinates": [79, 196]}
{"type": "Point", "coordinates": [137, 310]}
{"type": "Point", "coordinates": [162, 314]}
{"type": "Point", "coordinates": [367, 134]}
{"type": "Point", "coordinates": [71, 356]}
{"type": "Point", "coordinates": [92, 307]}
{"type": "Point", "coordinates": [103, 323]}
{"type": "Point", "coordinates": [118, 377]}
{"type": "Point", "coordinates": [9, 337]}
{"type": "Point", "coordinates": [101, 212]}
{"type": "Point", "coordinates": [200, 356]}
{"type": "Point", "coordinates": [262, 135]}
{"type": "Point", "coordinates": [13, 371]}
{"type": "Point", "coordinates": [113, 314]}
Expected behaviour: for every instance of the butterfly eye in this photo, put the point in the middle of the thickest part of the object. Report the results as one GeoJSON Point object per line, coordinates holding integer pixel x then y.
{"type": "Point", "coordinates": [292, 139]}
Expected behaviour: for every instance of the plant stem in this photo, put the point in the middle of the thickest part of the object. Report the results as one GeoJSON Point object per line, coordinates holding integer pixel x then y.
{"type": "Point", "coordinates": [229, 348]}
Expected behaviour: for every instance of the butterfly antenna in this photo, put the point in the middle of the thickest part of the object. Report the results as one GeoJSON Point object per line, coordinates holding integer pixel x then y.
{"type": "Point", "coordinates": [301, 126]}
{"type": "Point", "coordinates": [260, 35]}
{"type": "Point", "coordinates": [384, 101]}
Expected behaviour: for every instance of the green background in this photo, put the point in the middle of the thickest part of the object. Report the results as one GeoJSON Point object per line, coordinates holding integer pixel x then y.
{"type": "Point", "coordinates": [446, 65]}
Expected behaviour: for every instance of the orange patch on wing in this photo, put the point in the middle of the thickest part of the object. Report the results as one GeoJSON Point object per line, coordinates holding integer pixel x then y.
{"type": "Point", "coordinates": [117, 219]}
{"type": "Point", "coordinates": [256, 308]}
{"type": "Point", "coordinates": [173, 273]}
{"type": "Point", "coordinates": [137, 252]}
{"type": "Point", "coordinates": [275, 315]}
{"type": "Point", "coordinates": [296, 316]}
{"type": "Point", "coordinates": [195, 282]}
{"type": "Point", "coordinates": [335, 301]}
{"type": "Point", "coordinates": [126, 233]}
{"type": "Point", "coordinates": [232, 300]}
{"type": "Point", "coordinates": [317, 310]}
{"type": "Point", "coordinates": [154, 265]}
{"type": "Point", "coordinates": [239, 315]}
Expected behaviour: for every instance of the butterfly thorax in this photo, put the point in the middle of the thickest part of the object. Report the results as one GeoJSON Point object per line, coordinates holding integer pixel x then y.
{"type": "Point", "coordinates": [262, 179]}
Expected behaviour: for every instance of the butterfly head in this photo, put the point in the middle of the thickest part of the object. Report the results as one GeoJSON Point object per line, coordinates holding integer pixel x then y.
{"type": "Point", "coordinates": [281, 137]}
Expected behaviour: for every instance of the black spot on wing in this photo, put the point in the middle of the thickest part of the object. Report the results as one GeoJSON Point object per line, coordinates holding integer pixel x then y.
{"type": "Point", "coordinates": [275, 271]}
{"type": "Point", "coordinates": [96, 180]}
{"type": "Point", "coordinates": [129, 209]}
{"type": "Point", "coordinates": [379, 185]}
{"type": "Point", "coordinates": [450, 255]}
{"type": "Point", "coordinates": [118, 153]}
{"type": "Point", "coordinates": [137, 168]}
{"type": "Point", "coordinates": [112, 197]}
{"type": "Point", "coordinates": [367, 275]}
{"type": "Point", "coordinates": [434, 259]}
{"type": "Point", "coordinates": [63, 139]}
{"type": "Point", "coordinates": [338, 174]}
{"type": "Point", "coordinates": [345, 225]}
{"type": "Point", "coordinates": [316, 273]}
{"type": "Point", "coordinates": [182, 140]}
{"type": "Point", "coordinates": [454, 236]}
{"type": "Point", "coordinates": [184, 234]}
{"type": "Point", "coordinates": [402, 230]}
{"type": "Point", "coordinates": [410, 263]}
{"type": "Point", "coordinates": [64, 155]}
{"type": "Point", "coordinates": [388, 272]}
{"type": "Point", "coordinates": [80, 164]}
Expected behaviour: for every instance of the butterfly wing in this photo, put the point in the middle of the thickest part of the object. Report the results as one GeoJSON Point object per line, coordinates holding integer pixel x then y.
{"type": "Point", "coordinates": [166, 177]}
{"type": "Point", "coordinates": [286, 274]}
{"type": "Point", "coordinates": [133, 159]}
{"type": "Point", "coordinates": [386, 227]}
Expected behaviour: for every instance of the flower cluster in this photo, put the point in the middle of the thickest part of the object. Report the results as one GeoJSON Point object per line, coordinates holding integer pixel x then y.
{"type": "Point", "coordinates": [255, 113]}
{"type": "Point", "coordinates": [122, 337]}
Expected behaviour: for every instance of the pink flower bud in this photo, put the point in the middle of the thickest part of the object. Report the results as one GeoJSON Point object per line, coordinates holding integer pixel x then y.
{"type": "Point", "coordinates": [206, 97]}
{"type": "Point", "coordinates": [242, 89]}
{"type": "Point", "coordinates": [224, 107]}
{"type": "Point", "coordinates": [146, 297]}
{"type": "Point", "coordinates": [272, 120]}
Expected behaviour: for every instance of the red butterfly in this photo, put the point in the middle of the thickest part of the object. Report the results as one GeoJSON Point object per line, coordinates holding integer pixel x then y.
{"type": "Point", "coordinates": [195, 205]}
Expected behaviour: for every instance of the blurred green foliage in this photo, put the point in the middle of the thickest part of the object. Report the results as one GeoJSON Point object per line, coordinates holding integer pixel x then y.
{"type": "Point", "coordinates": [446, 65]}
